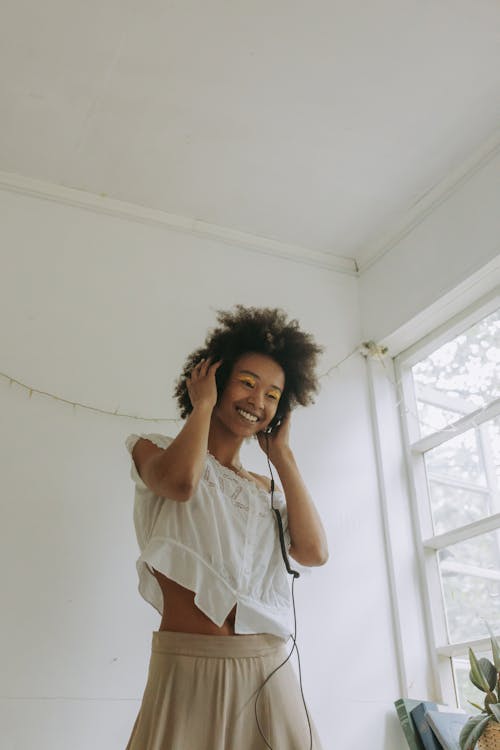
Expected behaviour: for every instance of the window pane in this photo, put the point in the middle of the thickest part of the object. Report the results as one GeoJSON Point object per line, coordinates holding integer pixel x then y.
{"type": "Point", "coordinates": [459, 377]}
{"type": "Point", "coordinates": [454, 507]}
{"type": "Point", "coordinates": [463, 477]}
{"type": "Point", "coordinates": [470, 576]}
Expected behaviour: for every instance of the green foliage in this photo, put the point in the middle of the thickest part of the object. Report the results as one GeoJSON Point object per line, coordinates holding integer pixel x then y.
{"type": "Point", "coordinates": [495, 709]}
{"type": "Point", "coordinates": [495, 648]}
{"type": "Point", "coordinates": [485, 676]}
{"type": "Point", "coordinates": [472, 731]}
{"type": "Point", "coordinates": [480, 674]}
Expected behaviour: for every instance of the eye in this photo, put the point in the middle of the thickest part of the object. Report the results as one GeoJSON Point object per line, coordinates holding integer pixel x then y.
{"type": "Point", "coordinates": [248, 381]}
{"type": "Point", "coordinates": [274, 396]}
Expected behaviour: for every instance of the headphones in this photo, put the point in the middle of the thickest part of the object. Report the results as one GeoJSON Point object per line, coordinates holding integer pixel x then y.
{"type": "Point", "coordinates": [295, 573]}
{"type": "Point", "coordinates": [274, 424]}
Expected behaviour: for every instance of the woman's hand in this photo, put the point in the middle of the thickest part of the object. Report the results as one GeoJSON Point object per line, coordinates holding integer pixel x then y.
{"type": "Point", "coordinates": [279, 440]}
{"type": "Point", "coordinates": [201, 385]}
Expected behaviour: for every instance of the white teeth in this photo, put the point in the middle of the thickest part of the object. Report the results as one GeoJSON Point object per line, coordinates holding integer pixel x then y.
{"type": "Point", "coordinates": [250, 417]}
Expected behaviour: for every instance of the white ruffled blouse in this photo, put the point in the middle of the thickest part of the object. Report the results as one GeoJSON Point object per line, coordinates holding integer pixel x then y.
{"type": "Point", "coordinates": [222, 543]}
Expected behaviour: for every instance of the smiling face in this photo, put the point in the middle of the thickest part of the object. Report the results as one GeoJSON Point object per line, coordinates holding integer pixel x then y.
{"type": "Point", "coordinates": [252, 393]}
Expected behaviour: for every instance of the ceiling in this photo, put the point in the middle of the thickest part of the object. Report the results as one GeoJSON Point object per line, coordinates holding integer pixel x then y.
{"type": "Point", "coordinates": [316, 124]}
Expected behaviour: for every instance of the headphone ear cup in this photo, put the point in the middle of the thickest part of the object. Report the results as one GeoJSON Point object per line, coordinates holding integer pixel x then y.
{"type": "Point", "coordinates": [274, 423]}
{"type": "Point", "coordinates": [221, 378]}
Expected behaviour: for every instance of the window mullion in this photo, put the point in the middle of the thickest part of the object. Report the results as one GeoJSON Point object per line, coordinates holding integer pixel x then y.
{"type": "Point", "coordinates": [462, 648]}
{"type": "Point", "coordinates": [476, 528]}
{"type": "Point", "coordinates": [426, 560]}
{"type": "Point", "coordinates": [489, 468]}
{"type": "Point", "coordinates": [474, 419]}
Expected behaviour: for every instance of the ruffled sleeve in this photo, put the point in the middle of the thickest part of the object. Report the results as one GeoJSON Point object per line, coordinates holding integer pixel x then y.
{"type": "Point", "coordinates": [147, 505]}
{"type": "Point", "coordinates": [162, 441]}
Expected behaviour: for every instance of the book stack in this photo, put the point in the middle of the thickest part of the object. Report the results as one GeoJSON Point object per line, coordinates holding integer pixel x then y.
{"type": "Point", "coordinates": [430, 726]}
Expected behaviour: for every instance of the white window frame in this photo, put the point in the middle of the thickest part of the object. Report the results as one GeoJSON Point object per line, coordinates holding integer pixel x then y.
{"type": "Point", "coordinates": [428, 545]}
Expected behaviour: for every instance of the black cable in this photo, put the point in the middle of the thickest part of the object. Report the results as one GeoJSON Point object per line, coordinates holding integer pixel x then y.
{"type": "Point", "coordinates": [294, 639]}
{"type": "Point", "coordinates": [295, 575]}
{"type": "Point", "coordinates": [281, 533]}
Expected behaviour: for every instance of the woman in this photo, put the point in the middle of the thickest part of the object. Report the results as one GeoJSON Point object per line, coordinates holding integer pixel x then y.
{"type": "Point", "coordinates": [211, 559]}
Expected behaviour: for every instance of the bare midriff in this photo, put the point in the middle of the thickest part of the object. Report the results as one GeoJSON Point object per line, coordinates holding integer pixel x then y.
{"type": "Point", "coordinates": [181, 614]}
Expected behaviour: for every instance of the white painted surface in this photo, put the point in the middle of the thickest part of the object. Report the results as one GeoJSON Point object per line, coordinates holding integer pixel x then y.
{"type": "Point", "coordinates": [194, 227]}
{"type": "Point", "coordinates": [450, 258]}
{"type": "Point", "coordinates": [317, 124]}
{"type": "Point", "coordinates": [103, 310]}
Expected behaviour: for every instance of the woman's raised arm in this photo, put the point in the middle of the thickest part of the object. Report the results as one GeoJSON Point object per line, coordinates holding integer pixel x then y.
{"type": "Point", "coordinates": [175, 471]}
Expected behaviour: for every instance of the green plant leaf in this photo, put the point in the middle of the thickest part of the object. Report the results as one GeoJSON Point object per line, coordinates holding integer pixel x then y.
{"type": "Point", "coordinates": [476, 674]}
{"type": "Point", "coordinates": [489, 672]}
{"type": "Point", "coordinates": [495, 648]}
{"type": "Point", "coordinates": [495, 710]}
{"type": "Point", "coordinates": [475, 705]}
{"type": "Point", "coordinates": [472, 731]}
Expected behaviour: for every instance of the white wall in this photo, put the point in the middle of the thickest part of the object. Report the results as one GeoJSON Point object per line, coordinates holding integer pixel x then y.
{"type": "Point", "coordinates": [449, 258]}
{"type": "Point", "coordinates": [102, 310]}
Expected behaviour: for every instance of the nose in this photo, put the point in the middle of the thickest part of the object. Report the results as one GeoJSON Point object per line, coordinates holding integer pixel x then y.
{"type": "Point", "coordinates": [256, 398]}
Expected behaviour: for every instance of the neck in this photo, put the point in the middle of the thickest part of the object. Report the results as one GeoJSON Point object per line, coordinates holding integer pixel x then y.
{"type": "Point", "coordinates": [223, 444]}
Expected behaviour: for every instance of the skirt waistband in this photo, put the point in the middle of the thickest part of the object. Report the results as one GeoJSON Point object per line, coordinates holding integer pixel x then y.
{"type": "Point", "coordinates": [222, 646]}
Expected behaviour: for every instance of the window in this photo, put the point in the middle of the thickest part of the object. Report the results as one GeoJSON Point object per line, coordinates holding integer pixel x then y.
{"type": "Point", "coordinates": [450, 394]}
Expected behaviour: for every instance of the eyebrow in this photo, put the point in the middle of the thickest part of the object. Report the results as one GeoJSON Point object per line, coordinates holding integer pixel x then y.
{"type": "Point", "coordinates": [249, 372]}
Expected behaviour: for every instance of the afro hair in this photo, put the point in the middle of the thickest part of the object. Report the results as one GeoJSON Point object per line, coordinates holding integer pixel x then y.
{"type": "Point", "coordinates": [264, 331]}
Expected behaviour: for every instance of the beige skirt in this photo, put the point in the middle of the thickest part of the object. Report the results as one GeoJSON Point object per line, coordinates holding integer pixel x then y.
{"type": "Point", "coordinates": [201, 691]}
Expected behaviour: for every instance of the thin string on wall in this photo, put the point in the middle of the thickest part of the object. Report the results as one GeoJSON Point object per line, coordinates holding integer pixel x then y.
{"type": "Point", "coordinates": [326, 374]}
{"type": "Point", "coordinates": [367, 349]}
{"type": "Point", "coordinates": [74, 404]}
{"type": "Point", "coordinates": [116, 413]}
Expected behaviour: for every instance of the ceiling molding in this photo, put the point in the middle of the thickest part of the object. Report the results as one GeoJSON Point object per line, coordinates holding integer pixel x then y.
{"type": "Point", "coordinates": [429, 202]}
{"type": "Point", "coordinates": [104, 205]}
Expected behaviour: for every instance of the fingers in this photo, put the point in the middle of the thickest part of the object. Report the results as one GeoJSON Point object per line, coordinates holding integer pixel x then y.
{"type": "Point", "coordinates": [204, 365]}
{"type": "Point", "coordinates": [209, 364]}
{"type": "Point", "coordinates": [201, 383]}
{"type": "Point", "coordinates": [198, 369]}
